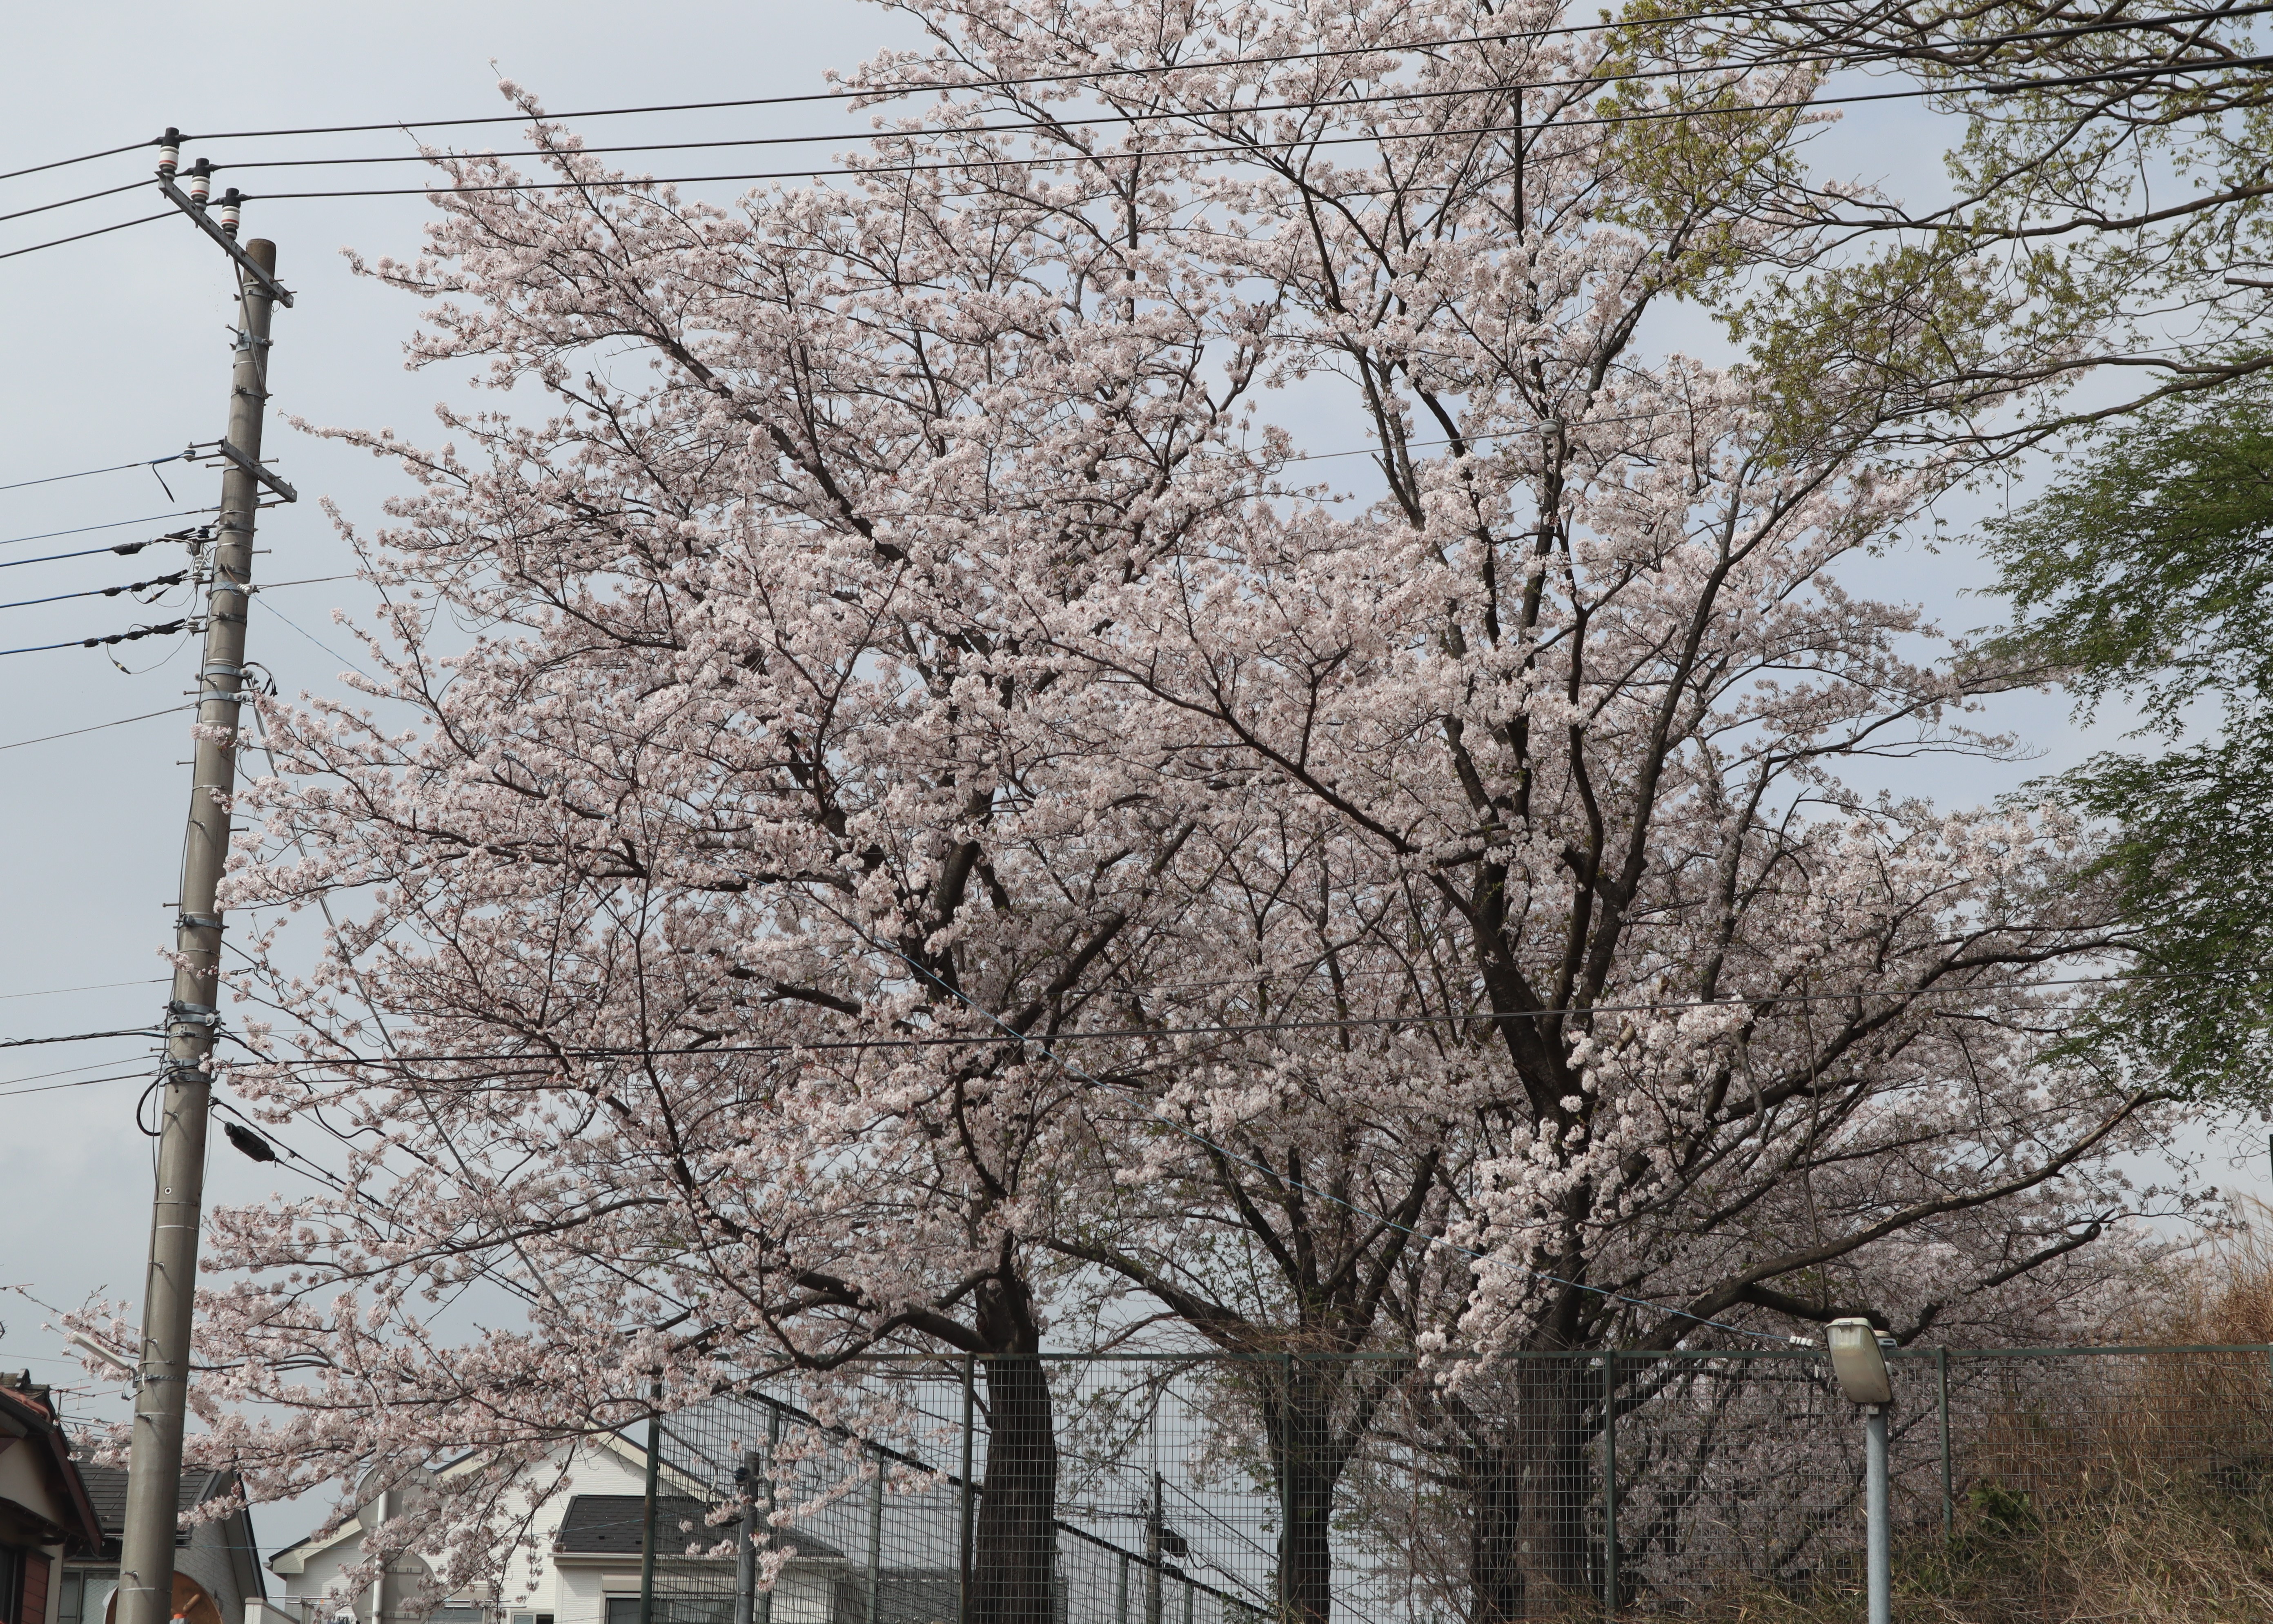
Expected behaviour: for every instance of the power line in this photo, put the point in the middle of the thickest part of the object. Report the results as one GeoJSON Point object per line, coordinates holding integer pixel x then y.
{"type": "Point", "coordinates": [1244, 148]}
{"type": "Point", "coordinates": [128, 548]}
{"type": "Point", "coordinates": [117, 524]}
{"type": "Point", "coordinates": [1086, 75]}
{"type": "Point", "coordinates": [10, 1084]}
{"type": "Point", "coordinates": [312, 636]}
{"type": "Point", "coordinates": [61, 163]}
{"type": "Point", "coordinates": [82, 1037]}
{"type": "Point", "coordinates": [135, 635]}
{"type": "Point", "coordinates": [73, 733]}
{"type": "Point", "coordinates": [1844, 59]}
{"type": "Point", "coordinates": [50, 992]}
{"type": "Point", "coordinates": [1839, 59]}
{"type": "Point", "coordinates": [84, 196]}
{"type": "Point", "coordinates": [1223, 1029]}
{"type": "Point", "coordinates": [175, 579]}
{"type": "Point", "coordinates": [80, 236]}
{"type": "Point", "coordinates": [83, 1082]}
{"type": "Point", "coordinates": [85, 473]}
{"type": "Point", "coordinates": [2006, 87]}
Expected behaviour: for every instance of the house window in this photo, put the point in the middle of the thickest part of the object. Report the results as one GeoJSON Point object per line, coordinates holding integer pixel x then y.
{"type": "Point", "coordinates": [12, 1585]}
{"type": "Point", "coordinates": [85, 1590]}
{"type": "Point", "coordinates": [672, 1610]}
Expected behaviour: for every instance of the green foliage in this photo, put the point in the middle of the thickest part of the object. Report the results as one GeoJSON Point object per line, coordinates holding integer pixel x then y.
{"type": "Point", "coordinates": [2192, 861]}
{"type": "Point", "coordinates": [2147, 575]}
{"type": "Point", "coordinates": [2000, 1513]}
{"type": "Point", "coordinates": [2150, 571]}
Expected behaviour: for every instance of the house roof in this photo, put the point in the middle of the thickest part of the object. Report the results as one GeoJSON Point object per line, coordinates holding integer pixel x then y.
{"type": "Point", "coordinates": [610, 1525]}
{"type": "Point", "coordinates": [106, 1491]}
{"type": "Point", "coordinates": [25, 1414]}
{"type": "Point", "coordinates": [293, 1559]}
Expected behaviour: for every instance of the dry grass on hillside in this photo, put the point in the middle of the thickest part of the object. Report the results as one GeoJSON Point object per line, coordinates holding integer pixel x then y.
{"type": "Point", "coordinates": [2162, 1531]}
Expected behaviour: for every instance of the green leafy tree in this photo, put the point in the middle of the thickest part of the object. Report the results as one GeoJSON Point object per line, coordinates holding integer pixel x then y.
{"type": "Point", "coordinates": [2145, 577]}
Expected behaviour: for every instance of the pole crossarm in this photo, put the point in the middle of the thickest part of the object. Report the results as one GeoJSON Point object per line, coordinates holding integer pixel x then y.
{"type": "Point", "coordinates": [245, 262]}
{"type": "Point", "coordinates": [222, 448]}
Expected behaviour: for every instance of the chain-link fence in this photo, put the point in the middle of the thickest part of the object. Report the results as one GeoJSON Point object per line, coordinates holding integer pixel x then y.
{"type": "Point", "coordinates": [1173, 1490]}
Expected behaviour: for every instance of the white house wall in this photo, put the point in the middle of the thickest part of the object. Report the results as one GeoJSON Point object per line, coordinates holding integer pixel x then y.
{"type": "Point", "coordinates": [597, 1470]}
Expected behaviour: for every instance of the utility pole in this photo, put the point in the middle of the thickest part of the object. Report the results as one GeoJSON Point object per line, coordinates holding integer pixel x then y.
{"type": "Point", "coordinates": [154, 1470]}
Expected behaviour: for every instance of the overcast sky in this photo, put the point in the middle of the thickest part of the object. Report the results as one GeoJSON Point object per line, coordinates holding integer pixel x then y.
{"type": "Point", "coordinates": [117, 351]}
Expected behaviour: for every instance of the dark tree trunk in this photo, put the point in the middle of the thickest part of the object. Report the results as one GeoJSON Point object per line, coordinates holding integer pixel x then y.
{"type": "Point", "coordinates": [1561, 1470]}
{"type": "Point", "coordinates": [1014, 1532]}
{"type": "Point", "coordinates": [1492, 1468]}
{"type": "Point", "coordinates": [1525, 1465]}
{"type": "Point", "coordinates": [1309, 1466]}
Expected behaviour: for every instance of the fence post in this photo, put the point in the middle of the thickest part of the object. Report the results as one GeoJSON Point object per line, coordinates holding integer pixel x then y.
{"type": "Point", "coordinates": [1611, 1482]}
{"type": "Point", "coordinates": [746, 1541]}
{"type": "Point", "coordinates": [646, 1504]}
{"type": "Point", "coordinates": [1121, 1592]}
{"type": "Point", "coordinates": [1948, 1485]}
{"type": "Point", "coordinates": [875, 1529]}
{"type": "Point", "coordinates": [773, 1451]}
{"type": "Point", "coordinates": [963, 1530]}
{"type": "Point", "coordinates": [1286, 1487]}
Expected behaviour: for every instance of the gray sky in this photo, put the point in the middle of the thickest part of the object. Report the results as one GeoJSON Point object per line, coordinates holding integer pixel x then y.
{"type": "Point", "coordinates": [118, 352]}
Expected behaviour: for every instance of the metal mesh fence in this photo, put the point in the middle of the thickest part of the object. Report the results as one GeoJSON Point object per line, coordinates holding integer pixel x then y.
{"type": "Point", "coordinates": [1173, 1490]}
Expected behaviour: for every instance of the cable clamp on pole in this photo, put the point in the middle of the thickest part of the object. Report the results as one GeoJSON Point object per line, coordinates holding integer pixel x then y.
{"type": "Point", "coordinates": [198, 921]}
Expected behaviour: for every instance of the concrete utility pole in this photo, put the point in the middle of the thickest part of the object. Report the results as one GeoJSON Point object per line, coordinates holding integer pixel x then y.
{"type": "Point", "coordinates": [147, 1554]}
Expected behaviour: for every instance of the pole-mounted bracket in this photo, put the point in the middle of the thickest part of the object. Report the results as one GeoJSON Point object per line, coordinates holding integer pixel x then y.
{"type": "Point", "coordinates": [198, 921]}
{"type": "Point", "coordinates": [224, 449]}
{"type": "Point", "coordinates": [245, 262]}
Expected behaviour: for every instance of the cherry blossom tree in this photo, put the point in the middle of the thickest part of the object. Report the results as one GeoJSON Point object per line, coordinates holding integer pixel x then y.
{"type": "Point", "coordinates": [896, 804]}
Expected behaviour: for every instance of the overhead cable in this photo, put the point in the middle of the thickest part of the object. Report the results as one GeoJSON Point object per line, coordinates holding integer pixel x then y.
{"type": "Point", "coordinates": [129, 548]}
{"type": "Point", "coordinates": [175, 579]}
{"type": "Point", "coordinates": [61, 163]}
{"type": "Point", "coordinates": [52, 992]}
{"type": "Point", "coordinates": [1242, 148]}
{"type": "Point", "coordinates": [1081, 75]}
{"type": "Point", "coordinates": [82, 1037]}
{"type": "Point", "coordinates": [1733, 1004]}
{"type": "Point", "coordinates": [1845, 59]}
{"type": "Point", "coordinates": [80, 236]}
{"type": "Point", "coordinates": [134, 635]}
{"type": "Point", "coordinates": [74, 733]}
{"type": "Point", "coordinates": [83, 1082]}
{"type": "Point", "coordinates": [88, 473]}
{"type": "Point", "coordinates": [116, 524]}
{"type": "Point", "coordinates": [84, 196]}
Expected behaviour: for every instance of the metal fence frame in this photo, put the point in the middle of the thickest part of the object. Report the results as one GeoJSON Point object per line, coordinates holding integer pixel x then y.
{"type": "Point", "coordinates": [1617, 1397]}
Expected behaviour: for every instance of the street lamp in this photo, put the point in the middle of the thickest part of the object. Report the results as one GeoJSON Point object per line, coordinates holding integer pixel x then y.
{"type": "Point", "coordinates": [1859, 1362]}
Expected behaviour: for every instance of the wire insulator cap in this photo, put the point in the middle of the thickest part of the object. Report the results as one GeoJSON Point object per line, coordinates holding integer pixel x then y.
{"type": "Point", "coordinates": [201, 181]}
{"type": "Point", "coordinates": [169, 152]}
{"type": "Point", "coordinates": [231, 206]}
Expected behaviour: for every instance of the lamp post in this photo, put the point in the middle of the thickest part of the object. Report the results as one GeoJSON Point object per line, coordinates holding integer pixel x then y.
{"type": "Point", "coordinates": [1860, 1364]}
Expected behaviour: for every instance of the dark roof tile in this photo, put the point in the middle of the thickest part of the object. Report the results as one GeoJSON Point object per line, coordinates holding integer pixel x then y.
{"type": "Point", "coordinates": [106, 1490]}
